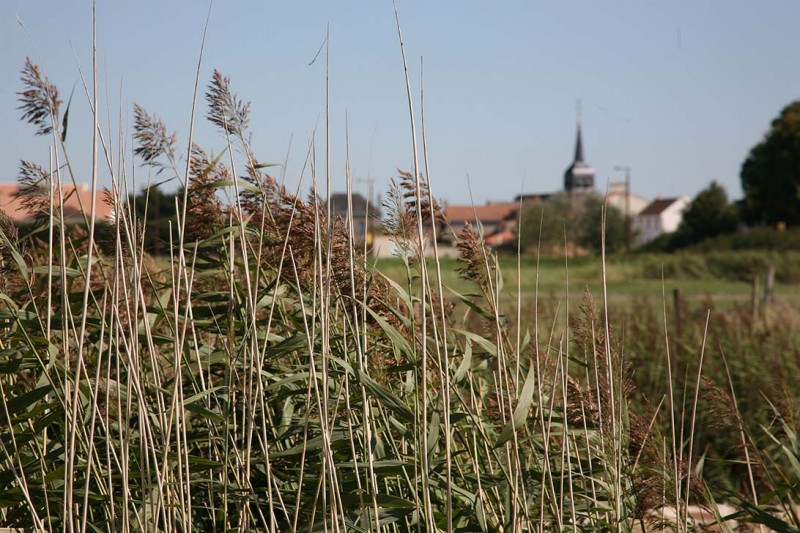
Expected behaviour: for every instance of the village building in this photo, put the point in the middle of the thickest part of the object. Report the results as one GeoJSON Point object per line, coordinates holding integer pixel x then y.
{"type": "Point", "coordinates": [628, 204]}
{"type": "Point", "coordinates": [77, 200]}
{"type": "Point", "coordinates": [496, 221]}
{"type": "Point", "coordinates": [366, 217]}
{"type": "Point", "coordinates": [662, 215]}
{"type": "Point", "coordinates": [532, 197]}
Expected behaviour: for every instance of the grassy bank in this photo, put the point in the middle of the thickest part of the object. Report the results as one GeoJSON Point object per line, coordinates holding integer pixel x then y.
{"type": "Point", "coordinates": [697, 276]}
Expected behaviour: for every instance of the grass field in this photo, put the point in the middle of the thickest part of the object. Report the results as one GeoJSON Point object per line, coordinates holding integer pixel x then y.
{"type": "Point", "coordinates": [626, 279]}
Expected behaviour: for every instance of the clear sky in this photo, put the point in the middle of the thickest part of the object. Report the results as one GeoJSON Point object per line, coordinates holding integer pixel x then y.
{"type": "Point", "coordinates": [677, 90]}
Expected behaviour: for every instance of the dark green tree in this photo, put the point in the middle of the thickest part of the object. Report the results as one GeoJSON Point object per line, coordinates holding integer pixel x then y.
{"type": "Point", "coordinates": [571, 220]}
{"type": "Point", "coordinates": [544, 224]}
{"type": "Point", "coordinates": [709, 214]}
{"type": "Point", "coordinates": [157, 209]}
{"type": "Point", "coordinates": [771, 173]}
{"type": "Point", "coordinates": [591, 224]}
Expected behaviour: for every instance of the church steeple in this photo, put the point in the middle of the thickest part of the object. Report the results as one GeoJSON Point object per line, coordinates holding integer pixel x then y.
{"type": "Point", "coordinates": [580, 175]}
{"type": "Point", "coordinates": [578, 145]}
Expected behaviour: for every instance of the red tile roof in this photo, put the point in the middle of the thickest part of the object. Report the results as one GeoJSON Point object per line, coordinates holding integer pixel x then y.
{"type": "Point", "coordinates": [487, 213]}
{"type": "Point", "coordinates": [500, 238]}
{"type": "Point", "coordinates": [656, 207]}
{"type": "Point", "coordinates": [12, 206]}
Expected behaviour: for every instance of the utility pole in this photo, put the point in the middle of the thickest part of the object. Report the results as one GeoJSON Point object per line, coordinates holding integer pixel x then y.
{"type": "Point", "coordinates": [628, 232]}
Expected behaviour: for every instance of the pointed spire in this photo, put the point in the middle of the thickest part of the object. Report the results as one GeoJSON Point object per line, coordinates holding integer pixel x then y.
{"type": "Point", "coordinates": [580, 175]}
{"type": "Point", "coordinates": [579, 140]}
{"type": "Point", "coordinates": [579, 146]}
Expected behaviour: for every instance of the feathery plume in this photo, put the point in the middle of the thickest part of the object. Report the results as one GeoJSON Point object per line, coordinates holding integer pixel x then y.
{"type": "Point", "coordinates": [471, 255]}
{"type": "Point", "coordinates": [204, 214]}
{"type": "Point", "coordinates": [34, 189]}
{"type": "Point", "coordinates": [225, 109]}
{"type": "Point", "coordinates": [151, 137]}
{"type": "Point", "coordinates": [429, 211]}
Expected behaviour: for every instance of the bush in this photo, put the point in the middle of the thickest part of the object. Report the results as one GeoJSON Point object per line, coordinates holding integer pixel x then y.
{"type": "Point", "coordinates": [724, 265]}
{"type": "Point", "coordinates": [758, 238]}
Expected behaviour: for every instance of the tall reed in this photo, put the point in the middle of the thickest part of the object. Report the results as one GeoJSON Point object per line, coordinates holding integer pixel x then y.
{"type": "Point", "coordinates": [264, 376]}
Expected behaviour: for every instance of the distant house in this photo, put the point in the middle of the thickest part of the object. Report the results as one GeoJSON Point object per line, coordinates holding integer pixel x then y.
{"type": "Point", "coordinates": [75, 199]}
{"type": "Point", "coordinates": [366, 217]}
{"type": "Point", "coordinates": [661, 216]}
{"type": "Point", "coordinates": [617, 198]}
{"type": "Point", "coordinates": [496, 220]}
{"type": "Point", "coordinates": [532, 197]}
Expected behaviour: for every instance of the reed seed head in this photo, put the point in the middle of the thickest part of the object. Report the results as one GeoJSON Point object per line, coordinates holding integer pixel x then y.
{"type": "Point", "coordinates": [152, 139]}
{"type": "Point", "coordinates": [226, 110]}
{"type": "Point", "coordinates": [39, 99]}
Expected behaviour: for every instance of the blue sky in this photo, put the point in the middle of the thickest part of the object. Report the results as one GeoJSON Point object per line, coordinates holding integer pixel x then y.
{"type": "Point", "coordinates": [677, 90]}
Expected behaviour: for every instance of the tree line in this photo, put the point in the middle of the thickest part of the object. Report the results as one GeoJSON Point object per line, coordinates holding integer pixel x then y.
{"type": "Point", "coordinates": [770, 178]}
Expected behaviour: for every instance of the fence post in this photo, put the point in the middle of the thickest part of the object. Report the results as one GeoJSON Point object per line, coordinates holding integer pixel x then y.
{"type": "Point", "coordinates": [769, 289]}
{"type": "Point", "coordinates": [769, 286]}
{"type": "Point", "coordinates": [676, 303]}
{"type": "Point", "coordinates": [754, 298]}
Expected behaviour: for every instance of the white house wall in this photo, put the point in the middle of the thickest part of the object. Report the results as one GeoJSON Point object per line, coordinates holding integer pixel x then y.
{"type": "Point", "coordinates": [650, 227]}
{"type": "Point", "coordinates": [671, 217]}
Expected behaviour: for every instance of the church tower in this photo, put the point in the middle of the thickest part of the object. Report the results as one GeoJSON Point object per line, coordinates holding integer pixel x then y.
{"type": "Point", "coordinates": [579, 177]}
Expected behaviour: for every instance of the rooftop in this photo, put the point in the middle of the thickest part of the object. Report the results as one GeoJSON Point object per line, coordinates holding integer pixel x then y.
{"type": "Point", "coordinates": [360, 205]}
{"type": "Point", "coordinates": [658, 206]}
{"type": "Point", "coordinates": [490, 212]}
{"type": "Point", "coordinates": [74, 198]}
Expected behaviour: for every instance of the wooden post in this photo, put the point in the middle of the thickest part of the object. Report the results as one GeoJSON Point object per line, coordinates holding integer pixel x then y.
{"type": "Point", "coordinates": [676, 303]}
{"type": "Point", "coordinates": [754, 298]}
{"type": "Point", "coordinates": [769, 286]}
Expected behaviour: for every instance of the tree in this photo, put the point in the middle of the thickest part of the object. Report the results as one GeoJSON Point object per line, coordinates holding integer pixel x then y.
{"type": "Point", "coordinates": [591, 226]}
{"type": "Point", "coordinates": [574, 220]}
{"type": "Point", "coordinates": [709, 214]}
{"type": "Point", "coordinates": [543, 225]}
{"type": "Point", "coordinates": [771, 173]}
{"type": "Point", "coordinates": [160, 214]}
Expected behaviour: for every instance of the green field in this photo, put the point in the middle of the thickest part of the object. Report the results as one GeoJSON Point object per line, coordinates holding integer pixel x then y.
{"type": "Point", "coordinates": [628, 279]}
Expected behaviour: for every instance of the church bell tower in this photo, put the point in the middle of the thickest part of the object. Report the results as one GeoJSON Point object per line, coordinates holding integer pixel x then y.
{"type": "Point", "coordinates": [579, 176]}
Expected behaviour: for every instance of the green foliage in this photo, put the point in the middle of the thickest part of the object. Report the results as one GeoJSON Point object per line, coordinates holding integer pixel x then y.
{"type": "Point", "coordinates": [750, 362]}
{"type": "Point", "coordinates": [158, 212]}
{"type": "Point", "coordinates": [724, 265]}
{"type": "Point", "coordinates": [758, 238]}
{"type": "Point", "coordinates": [571, 221]}
{"type": "Point", "coordinates": [771, 173]}
{"type": "Point", "coordinates": [546, 225]}
{"type": "Point", "coordinates": [601, 223]}
{"type": "Point", "coordinates": [708, 215]}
